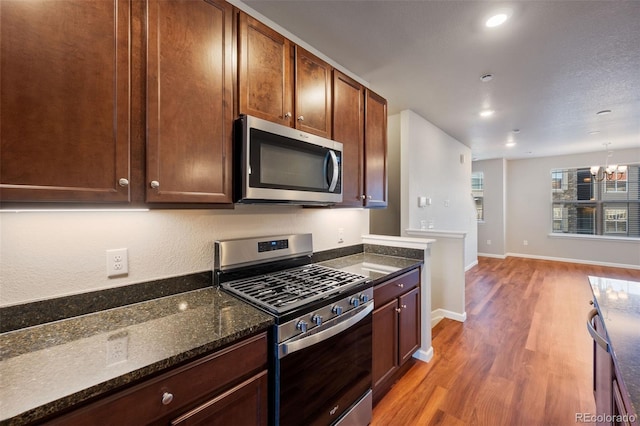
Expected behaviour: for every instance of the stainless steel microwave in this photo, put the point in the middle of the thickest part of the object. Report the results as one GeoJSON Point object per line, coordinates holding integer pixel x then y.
{"type": "Point", "coordinates": [278, 164]}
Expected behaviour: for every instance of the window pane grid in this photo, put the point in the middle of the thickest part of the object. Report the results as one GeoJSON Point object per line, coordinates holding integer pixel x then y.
{"type": "Point", "coordinates": [596, 205]}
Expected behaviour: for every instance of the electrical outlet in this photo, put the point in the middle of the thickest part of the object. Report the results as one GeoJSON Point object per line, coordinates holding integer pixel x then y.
{"type": "Point", "coordinates": [117, 348]}
{"type": "Point", "coordinates": [525, 243]}
{"type": "Point", "coordinates": [488, 242]}
{"type": "Point", "coordinates": [340, 235]}
{"type": "Point", "coordinates": [117, 262]}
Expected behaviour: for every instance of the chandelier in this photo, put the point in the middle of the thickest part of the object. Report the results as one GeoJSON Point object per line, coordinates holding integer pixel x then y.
{"type": "Point", "coordinates": [609, 171]}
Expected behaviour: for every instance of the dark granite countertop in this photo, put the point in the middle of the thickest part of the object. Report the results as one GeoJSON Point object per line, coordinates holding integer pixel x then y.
{"type": "Point", "coordinates": [618, 303]}
{"type": "Point", "coordinates": [50, 367]}
{"type": "Point", "coordinates": [378, 267]}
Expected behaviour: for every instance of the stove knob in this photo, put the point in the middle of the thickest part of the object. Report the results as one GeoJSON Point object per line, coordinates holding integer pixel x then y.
{"type": "Point", "coordinates": [316, 319]}
{"type": "Point", "coordinates": [302, 326]}
{"type": "Point", "coordinates": [354, 301]}
{"type": "Point", "coordinates": [364, 298]}
{"type": "Point", "coordinates": [337, 310]}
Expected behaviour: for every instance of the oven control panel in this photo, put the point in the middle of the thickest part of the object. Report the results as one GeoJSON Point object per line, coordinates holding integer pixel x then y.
{"type": "Point", "coordinates": [324, 316]}
{"type": "Point", "coordinates": [272, 245]}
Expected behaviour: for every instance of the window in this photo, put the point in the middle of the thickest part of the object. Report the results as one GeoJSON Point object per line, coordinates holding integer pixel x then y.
{"type": "Point", "coordinates": [559, 180]}
{"type": "Point", "coordinates": [477, 191]}
{"type": "Point", "coordinates": [616, 182]}
{"type": "Point", "coordinates": [582, 204]}
{"type": "Point", "coordinates": [615, 220]}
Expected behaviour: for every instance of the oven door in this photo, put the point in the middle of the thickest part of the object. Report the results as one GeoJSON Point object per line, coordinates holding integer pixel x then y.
{"type": "Point", "coordinates": [323, 375]}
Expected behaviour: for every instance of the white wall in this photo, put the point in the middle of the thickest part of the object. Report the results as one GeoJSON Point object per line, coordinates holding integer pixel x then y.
{"type": "Point", "coordinates": [44, 255]}
{"type": "Point", "coordinates": [529, 214]}
{"type": "Point", "coordinates": [437, 166]}
{"type": "Point", "coordinates": [492, 230]}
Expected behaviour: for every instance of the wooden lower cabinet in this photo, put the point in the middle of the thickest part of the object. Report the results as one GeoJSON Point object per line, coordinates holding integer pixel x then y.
{"type": "Point", "coordinates": [229, 386]}
{"type": "Point", "coordinates": [396, 329]}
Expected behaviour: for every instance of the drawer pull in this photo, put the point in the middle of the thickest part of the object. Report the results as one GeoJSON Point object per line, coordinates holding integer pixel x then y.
{"type": "Point", "coordinates": [398, 310]}
{"type": "Point", "coordinates": [404, 306]}
{"type": "Point", "coordinates": [400, 285]}
{"type": "Point", "coordinates": [167, 397]}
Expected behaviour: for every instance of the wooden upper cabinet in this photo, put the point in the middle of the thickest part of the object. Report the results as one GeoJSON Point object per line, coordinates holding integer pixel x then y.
{"type": "Point", "coordinates": [189, 101]}
{"type": "Point", "coordinates": [265, 67]}
{"type": "Point", "coordinates": [312, 93]}
{"type": "Point", "coordinates": [375, 136]}
{"type": "Point", "coordinates": [348, 129]}
{"type": "Point", "coordinates": [64, 100]}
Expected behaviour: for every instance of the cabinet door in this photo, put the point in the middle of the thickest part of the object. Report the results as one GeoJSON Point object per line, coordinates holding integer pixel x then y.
{"type": "Point", "coordinates": [409, 324]}
{"type": "Point", "coordinates": [189, 101]}
{"type": "Point", "coordinates": [375, 140]}
{"type": "Point", "coordinates": [245, 404]}
{"type": "Point", "coordinates": [265, 72]}
{"type": "Point", "coordinates": [65, 100]}
{"type": "Point", "coordinates": [348, 129]}
{"type": "Point", "coordinates": [385, 342]}
{"type": "Point", "coordinates": [313, 94]}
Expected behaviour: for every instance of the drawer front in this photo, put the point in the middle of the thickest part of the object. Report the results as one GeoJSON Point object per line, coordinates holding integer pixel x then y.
{"type": "Point", "coordinates": [179, 388]}
{"type": "Point", "coordinates": [391, 289]}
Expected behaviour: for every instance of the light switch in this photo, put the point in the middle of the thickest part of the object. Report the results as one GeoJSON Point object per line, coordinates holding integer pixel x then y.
{"type": "Point", "coordinates": [422, 201]}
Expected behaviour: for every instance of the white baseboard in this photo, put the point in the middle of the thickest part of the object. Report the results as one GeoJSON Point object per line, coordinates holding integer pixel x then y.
{"type": "Point", "coordinates": [423, 355]}
{"type": "Point", "coordinates": [496, 256]}
{"type": "Point", "coordinates": [581, 261]}
{"type": "Point", "coordinates": [439, 314]}
{"type": "Point", "coordinates": [471, 265]}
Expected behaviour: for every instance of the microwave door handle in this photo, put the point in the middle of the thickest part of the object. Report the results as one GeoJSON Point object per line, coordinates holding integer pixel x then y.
{"type": "Point", "coordinates": [336, 171]}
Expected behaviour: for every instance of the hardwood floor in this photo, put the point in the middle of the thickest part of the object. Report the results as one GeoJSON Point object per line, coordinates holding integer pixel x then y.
{"type": "Point", "coordinates": [523, 356]}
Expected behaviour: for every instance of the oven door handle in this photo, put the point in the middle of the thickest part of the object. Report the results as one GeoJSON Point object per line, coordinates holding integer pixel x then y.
{"type": "Point", "coordinates": [305, 342]}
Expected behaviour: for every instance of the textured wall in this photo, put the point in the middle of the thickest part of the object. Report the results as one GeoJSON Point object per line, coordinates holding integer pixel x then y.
{"type": "Point", "coordinates": [44, 255]}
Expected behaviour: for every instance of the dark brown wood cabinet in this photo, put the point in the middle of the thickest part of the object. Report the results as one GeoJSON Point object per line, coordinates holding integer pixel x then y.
{"type": "Point", "coordinates": [396, 329]}
{"type": "Point", "coordinates": [281, 82]}
{"type": "Point", "coordinates": [348, 129]}
{"type": "Point", "coordinates": [226, 387]}
{"type": "Point", "coordinates": [360, 124]}
{"type": "Point", "coordinates": [64, 101]}
{"type": "Point", "coordinates": [375, 136]}
{"type": "Point", "coordinates": [265, 72]}
{"type": "Point", "coordinates": [189, 111]}
{"type": "Point", "coordinates": [312, 94]}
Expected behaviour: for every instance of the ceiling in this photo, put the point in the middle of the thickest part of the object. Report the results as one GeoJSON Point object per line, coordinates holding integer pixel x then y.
{"type": "Point", "coordinates": [554, 65]}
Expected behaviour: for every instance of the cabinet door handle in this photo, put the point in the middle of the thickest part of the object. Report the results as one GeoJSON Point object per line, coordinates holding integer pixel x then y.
{"type": "Point", "coordinates": [123, 182]}
{"type": "Point", "coordinates": [400, 285]}
{"type": "Point", "coordinates": [362, 197]}
{"type": "Point", "coordinates": [167, 397]}
{"type": "Point", "coordinates": [404, 306]}
{"type": "Point", "coordinates": [601, 341]}
{"type": "Point", "coordinates": [155, 184]}
{"type": "Point", "coordinates": [398, 310]}
{"type": "Point", "coordinates": [301, 118]}
{"type": "Point", "coordinates": [287, 115]}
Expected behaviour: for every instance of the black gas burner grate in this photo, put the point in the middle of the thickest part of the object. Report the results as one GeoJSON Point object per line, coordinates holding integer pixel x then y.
{"type": "Point", "coordinates": [288, 289]}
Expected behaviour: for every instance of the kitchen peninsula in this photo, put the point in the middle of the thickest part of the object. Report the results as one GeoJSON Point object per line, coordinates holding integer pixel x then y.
{"type": "Point", "coordinates": [616, 349]}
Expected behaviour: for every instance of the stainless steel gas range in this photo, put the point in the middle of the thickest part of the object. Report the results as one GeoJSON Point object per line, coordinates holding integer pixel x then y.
{"type": "Point", "coordinates": [320, 357]}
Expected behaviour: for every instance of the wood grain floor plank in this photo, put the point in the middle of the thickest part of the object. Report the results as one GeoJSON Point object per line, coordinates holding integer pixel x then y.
{"type": "Point", "coordinates": [523, 357]}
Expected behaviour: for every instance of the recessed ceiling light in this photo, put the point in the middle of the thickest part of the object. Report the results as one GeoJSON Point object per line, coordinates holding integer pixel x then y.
{"type": "Point", "coordinates": [604, 112]}
{"type": "Point", "coordinates": [486, 78]}
{"type": "Point", "coordinates": [516, 130]}
{"type": "Point", "coordinates": [510, 144]}
{"type": "Point", "coordinates": [595, 132]}
{"type": "Point", "coordinates": [486, 113]}
{"type": "Point", "coordinates": [496, 20]}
